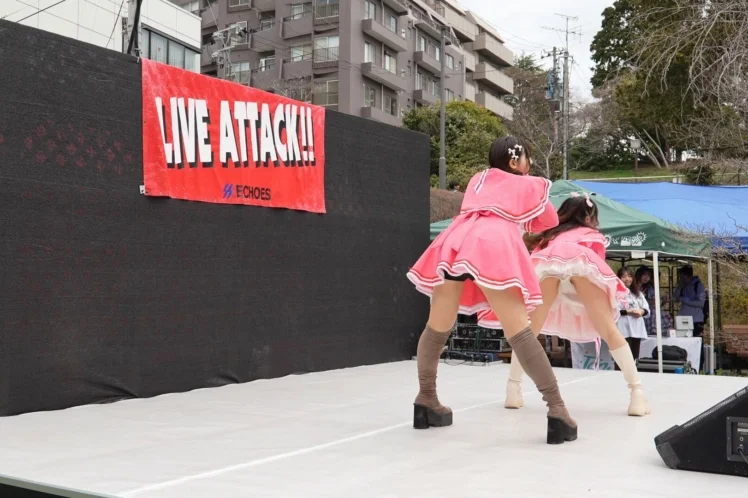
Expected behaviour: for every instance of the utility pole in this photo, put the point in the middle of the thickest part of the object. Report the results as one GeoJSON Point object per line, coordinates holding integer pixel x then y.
{"type": "Point", "coordinates": [565, 108]}
{"type": "Point", "coordinates": [566, 111]}
{"type": "Point", "coordinates": [443, 113]}
{"type": "Point", "coordinates": [552, 92]}
{"type": "Point", "coordinates": [134, 29]}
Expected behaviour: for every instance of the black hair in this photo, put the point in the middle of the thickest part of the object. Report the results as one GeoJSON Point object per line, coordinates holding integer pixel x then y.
{"type": "Point", "coordinates": [500, 153]}
{"type": "Point", "coordinates": [634, 287]}
{"type": "Point", "coordinates": [572, 214]}
{"type": "Point", "coordinates": [686, 270]}
{"type": "Point", "coordinates": [640, 272]}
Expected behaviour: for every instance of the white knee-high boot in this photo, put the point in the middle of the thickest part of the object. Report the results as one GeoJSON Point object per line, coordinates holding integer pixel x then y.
{"type": "Point", "coordinates": [514, 385]}
{"type": "Point", "coordinates": [639, 406]}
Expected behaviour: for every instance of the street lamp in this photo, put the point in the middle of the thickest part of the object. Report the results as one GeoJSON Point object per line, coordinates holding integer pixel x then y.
{"type": "Point", "coordinates": [636, 144]}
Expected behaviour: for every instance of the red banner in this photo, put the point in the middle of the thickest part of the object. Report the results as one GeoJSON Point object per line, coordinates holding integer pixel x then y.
{"type": "Point", "coordinates": [211, 140]}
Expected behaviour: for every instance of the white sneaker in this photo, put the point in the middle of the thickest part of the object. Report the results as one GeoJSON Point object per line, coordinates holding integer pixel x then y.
{"type": "Point", "coordinates": [639, 405]}
{"type": "Point", "coordinates": [514, 395]}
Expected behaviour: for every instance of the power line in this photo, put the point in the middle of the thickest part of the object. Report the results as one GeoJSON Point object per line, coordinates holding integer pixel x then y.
{"type": "Point", "coordinates": [111, 35]}
{"type": "Point", "coordinates": [565, 109]}
{"type": "Point", "coordinates": [16, 12]}
{"type": "Point", "coordinates": [42, 10]}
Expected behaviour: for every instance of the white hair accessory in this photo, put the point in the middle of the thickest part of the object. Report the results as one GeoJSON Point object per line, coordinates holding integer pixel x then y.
{"type": "Point", "coordinates": [516, 152]}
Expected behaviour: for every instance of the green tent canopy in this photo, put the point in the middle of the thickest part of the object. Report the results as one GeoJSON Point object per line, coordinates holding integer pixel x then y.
{"type": "Point", "coordinates": [627, 229]}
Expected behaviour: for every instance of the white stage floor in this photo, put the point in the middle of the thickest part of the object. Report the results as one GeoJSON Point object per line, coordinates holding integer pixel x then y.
{"type": "Point", "coordinates": [348, 433]}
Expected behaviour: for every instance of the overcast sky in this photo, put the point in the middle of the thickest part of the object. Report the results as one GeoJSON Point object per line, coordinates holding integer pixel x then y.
{"type": "Point", "coordinates": [521, 24]}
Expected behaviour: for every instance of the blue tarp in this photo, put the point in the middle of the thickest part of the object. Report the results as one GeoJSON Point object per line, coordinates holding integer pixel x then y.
{"type": "Point", "coordinates": [721, 212]}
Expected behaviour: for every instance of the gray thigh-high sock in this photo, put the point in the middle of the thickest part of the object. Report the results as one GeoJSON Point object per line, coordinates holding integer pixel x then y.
{"type": "Point", "coordinates": [535, 363]}
{"type": "Point", "coordinates": [430, 347]}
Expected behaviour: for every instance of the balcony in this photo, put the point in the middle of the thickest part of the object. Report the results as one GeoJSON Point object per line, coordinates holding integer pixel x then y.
{"type": "Point", "coordinates": [427, 25]}
{"type": "Point", "coordinates": [265, 38]}
{"type": "Point", "coordinates": [379, 115]}
{"type": "Point", "coordinates": [376, 72]}
{"type": "Point", "coordinates": [328, 100]}
{"type": "Point", "coordinates": [425, 97]}
{"type": "Point", "coordinates": [326, 57]}
{"type": "Point", "coordinates": [470, 92]}
{"type": "Point", "coordinates": [326, 14]}
{"type": "Point", "coordinates": [207, 21]}
{"type": "Point", "coordinates": [265, 76]}
{"type": "Point", "coordinates": [380, 32]}
{"type": "Point", "coordinates": [495, 105]}
{"type": "Point", "coordinates": [469, 61]}
{"type": "Point", "coordinates": [297, 68]}
{"type": "Point", "coordinates": [263, 5]}
{"type": "Point", "coordinates": [493, 49]}
{"type": "Point", "coordinates": [435, 6]}
{"type": "Point", "coordinates": [206, 55]}
{"type": "Point", "coordinates": [398, 6]}
{"type": "Point", "coordinates": [493, 77]}
{"type": "Point", "coordinates": [427, 62]}
{"type": "Point", "coordinates": [462, 26]}
{"type": "Point", "coordinates": [297, 25]}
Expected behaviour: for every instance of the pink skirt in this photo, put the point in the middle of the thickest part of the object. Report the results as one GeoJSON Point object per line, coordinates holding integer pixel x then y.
{"type": "Point", "coordinates": [486, 247]}
{"type": "Point", "coordinates": [568, 318]}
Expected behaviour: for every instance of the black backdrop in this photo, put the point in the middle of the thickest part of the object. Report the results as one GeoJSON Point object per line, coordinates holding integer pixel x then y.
{"type": "Point", "coordinates": [107, 294]}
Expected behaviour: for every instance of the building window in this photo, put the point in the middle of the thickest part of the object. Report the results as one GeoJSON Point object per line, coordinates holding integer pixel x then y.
{"type": "Point", "coordinates": [370, 96]}
{"type": "Point", "coordinates": [191, 60]}
{"type": "Point", "coordinates": [390, 63]}
{"type": "Point", "coordinates": [176, 54]}
{"type": "Point", "coordinates": [450, 62]}
{"type": "Point", "coordinates": [410, 33]}
{"type": "Point", "coordinates": [390, 105]}
{"type": "Point", "coordinates": [450, 95]}
{"type": "Point", "coordinates": [325, 93]}
{"type": "Point", "coordinates": [237, 3]}
{"type": "Point", "coordinates": [267, 20]}
{"type": "Point", "coordinates": [145, 44]}
{"type": "Point", "coordinates": [410, 70]}
{"type": "Point", "coordinates": [239, 73]}
{"type": "Point", "coordinates": [370, 10]}
{"type": "Point", "coordinates": [326, 49]}
{"type": "Point", "coordinates": [301, 53]}
{"type": "Point", "coordinates": [299, 9]}
{"type": "Point", "coordinates": [193, 6]}
{"type": "Point", "coordinates": [434, 51]}
{"type": "Point", "coordinates": [419, 81]}
{"type": "Point", "coordinates": [267, 62]}
{"type": "Point", "coordinates": [370, 52]}
{"type": "Point", "coordinates": [436, 88]}
{"type": "Point", "coordinates": [158, 48]}
{"type": "Point", "coordinates": [238, 32]}
{"type": "Point", "coordinates": [390, 22]}
{"type": "Point", "coordinates": [420, 43]}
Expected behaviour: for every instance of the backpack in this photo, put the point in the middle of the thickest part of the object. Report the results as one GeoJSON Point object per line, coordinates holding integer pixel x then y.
{"type": "Point", "coordinates": [671, 353]}
{"type": "Point", "coordinates": [705, 309]}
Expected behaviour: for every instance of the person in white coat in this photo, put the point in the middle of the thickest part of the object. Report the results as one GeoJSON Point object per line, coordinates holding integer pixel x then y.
{"type": "Point", "coordinates": [633, 310]}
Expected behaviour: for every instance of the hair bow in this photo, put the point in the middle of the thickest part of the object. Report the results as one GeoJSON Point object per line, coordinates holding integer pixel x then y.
{"type": "Point", "coordinates": [586, 196]}
{"type": "Point", "coordinates": [516, 152]}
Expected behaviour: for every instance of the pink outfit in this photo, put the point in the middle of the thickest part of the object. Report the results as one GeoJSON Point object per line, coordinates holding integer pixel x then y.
{"type": "Point", "coordinates": [485, 240]}
{"type": "Point", "coordinates": [576, 253]}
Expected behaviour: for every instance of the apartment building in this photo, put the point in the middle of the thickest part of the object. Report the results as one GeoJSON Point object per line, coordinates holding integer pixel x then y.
{"type": "Point", "coordinates": [370, 58]}
{"type": "Point", "coordinates": [168, 33]}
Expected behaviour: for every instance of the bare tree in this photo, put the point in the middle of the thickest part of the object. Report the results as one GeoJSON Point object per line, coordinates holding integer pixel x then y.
{"type": "Point", "coordinates": [535, 119]}
{"type": "Point", "coordinates": [706, 43]}
{"type": "Point", "coordinates": [294, 88]}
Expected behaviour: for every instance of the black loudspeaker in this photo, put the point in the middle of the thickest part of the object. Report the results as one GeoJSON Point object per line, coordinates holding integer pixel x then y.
{"type": "Point", "coordinates": [716, 441]}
